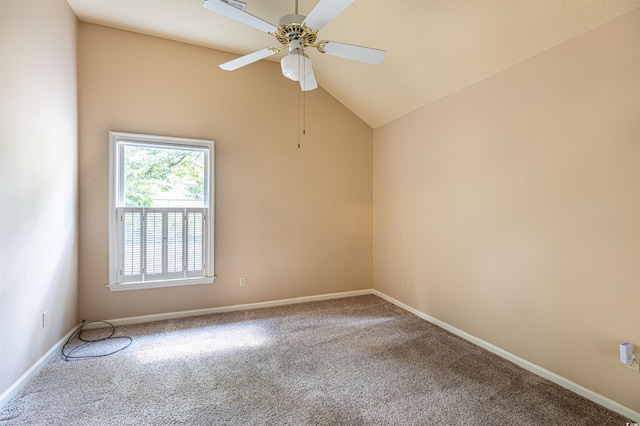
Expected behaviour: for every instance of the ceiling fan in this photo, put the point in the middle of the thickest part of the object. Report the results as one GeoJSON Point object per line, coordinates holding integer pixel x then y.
{"type": "Point", "coordinates": [295, 32]}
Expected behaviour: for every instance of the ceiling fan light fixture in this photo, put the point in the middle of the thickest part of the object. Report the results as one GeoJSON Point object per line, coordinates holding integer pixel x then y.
{"type": "Point", "coordinates": [295, 65]}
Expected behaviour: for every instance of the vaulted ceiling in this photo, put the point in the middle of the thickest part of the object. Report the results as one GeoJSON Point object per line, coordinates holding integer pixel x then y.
{"type": "Point", "coordinates": [434, 47]}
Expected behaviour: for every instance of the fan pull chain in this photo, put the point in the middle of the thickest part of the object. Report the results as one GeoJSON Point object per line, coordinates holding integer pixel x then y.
{"type": "Point", "coordinates": [302, 110]}
{"type": "Point", "coordinates": [304, 113]}
{"type": "Point", "coordinates": [299, 131]}
{"type": "Point", "coordinates": [302, 116]}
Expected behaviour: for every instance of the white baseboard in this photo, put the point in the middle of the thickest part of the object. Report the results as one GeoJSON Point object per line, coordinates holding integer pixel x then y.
{"type": "Point", "coordinates": [232, 308]}
{"type": "Point", "coordinates": [17, 386]}
{"type": "Point", "coordinates": [535, 369]}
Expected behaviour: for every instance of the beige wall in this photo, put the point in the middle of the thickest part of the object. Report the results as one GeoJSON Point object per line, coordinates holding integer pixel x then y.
{"type": "Point", "coordinates": [38, 180]}
{"type": "Point", "coordinates": [295, 222]}
{"type": "Point", "coordinates": [513, 208]}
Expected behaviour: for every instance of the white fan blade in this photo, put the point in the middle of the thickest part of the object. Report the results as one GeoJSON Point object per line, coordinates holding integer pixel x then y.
{"type": "Point", "coordinates": [309, 83]}
{"type": "Point", "coordinates": [324, 12]}
{"type": "Point", "coordinates": [238, 15]}
{"type": "Point", "coordinates": [246, 59]}
{"type": "Point", "coordinates": [357, 53]}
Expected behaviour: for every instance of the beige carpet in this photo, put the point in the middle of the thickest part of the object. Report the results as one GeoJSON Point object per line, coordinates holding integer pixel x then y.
{"type": "Point", "coordinates": [352, 361]}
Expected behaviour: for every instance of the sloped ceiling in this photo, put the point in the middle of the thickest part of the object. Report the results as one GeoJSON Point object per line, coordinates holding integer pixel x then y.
{"type": "Point", "coordinates": [434, 47]}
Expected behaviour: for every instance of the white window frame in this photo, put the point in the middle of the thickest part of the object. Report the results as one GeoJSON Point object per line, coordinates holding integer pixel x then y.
{"type": "Point", "coordinates": [117, 142]}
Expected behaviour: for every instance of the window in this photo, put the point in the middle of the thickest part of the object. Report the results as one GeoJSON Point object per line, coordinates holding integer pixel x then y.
{"type": "Point", "coordinates": [160, 211]}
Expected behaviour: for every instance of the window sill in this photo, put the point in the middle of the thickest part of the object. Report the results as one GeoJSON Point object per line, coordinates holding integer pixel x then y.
{"type": "Point", "coordinates": [160, 284]}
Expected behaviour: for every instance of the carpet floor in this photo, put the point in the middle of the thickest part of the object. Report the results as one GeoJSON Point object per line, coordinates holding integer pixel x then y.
{"type": "Point", "coordinates": [351, 361]}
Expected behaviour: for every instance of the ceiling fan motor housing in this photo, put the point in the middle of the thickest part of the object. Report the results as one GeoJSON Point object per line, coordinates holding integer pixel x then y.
{"type": "Point", "coordinates": [292, 27]}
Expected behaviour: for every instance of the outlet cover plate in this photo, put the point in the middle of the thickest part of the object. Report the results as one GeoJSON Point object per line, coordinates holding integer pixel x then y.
{"type": "Point", "coordinates": [635, 365]}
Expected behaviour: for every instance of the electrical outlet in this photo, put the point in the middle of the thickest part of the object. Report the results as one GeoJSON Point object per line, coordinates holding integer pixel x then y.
{"type": "Point", "coordinates": [635, 365]}
{"type": "Point", "coordinates": [45, 319]}
{"type": "Point", "coordinates": [243, 281]}
{"type": "Point", "coordinates": [406, 281]}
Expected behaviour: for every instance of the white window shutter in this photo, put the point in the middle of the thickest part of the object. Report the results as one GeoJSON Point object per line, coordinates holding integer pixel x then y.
{"type": "Point", "coordinates": [130, 232]}
{"type": "Point", "coordinates": [175, 243]}
{"type": "Point", "coordinates": [196, 242]}
{"type": "Point", "coordinates": [161, 243]}
{"type": "Point", "coordinates": [154, 244]}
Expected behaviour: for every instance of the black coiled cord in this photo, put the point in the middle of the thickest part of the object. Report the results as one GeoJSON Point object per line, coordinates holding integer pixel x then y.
{"type": "Point", "coordinates": [69, 355]}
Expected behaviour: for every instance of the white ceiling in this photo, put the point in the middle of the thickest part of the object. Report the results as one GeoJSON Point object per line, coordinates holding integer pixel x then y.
{"type": "Point", "coordinates": [434, 47]}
